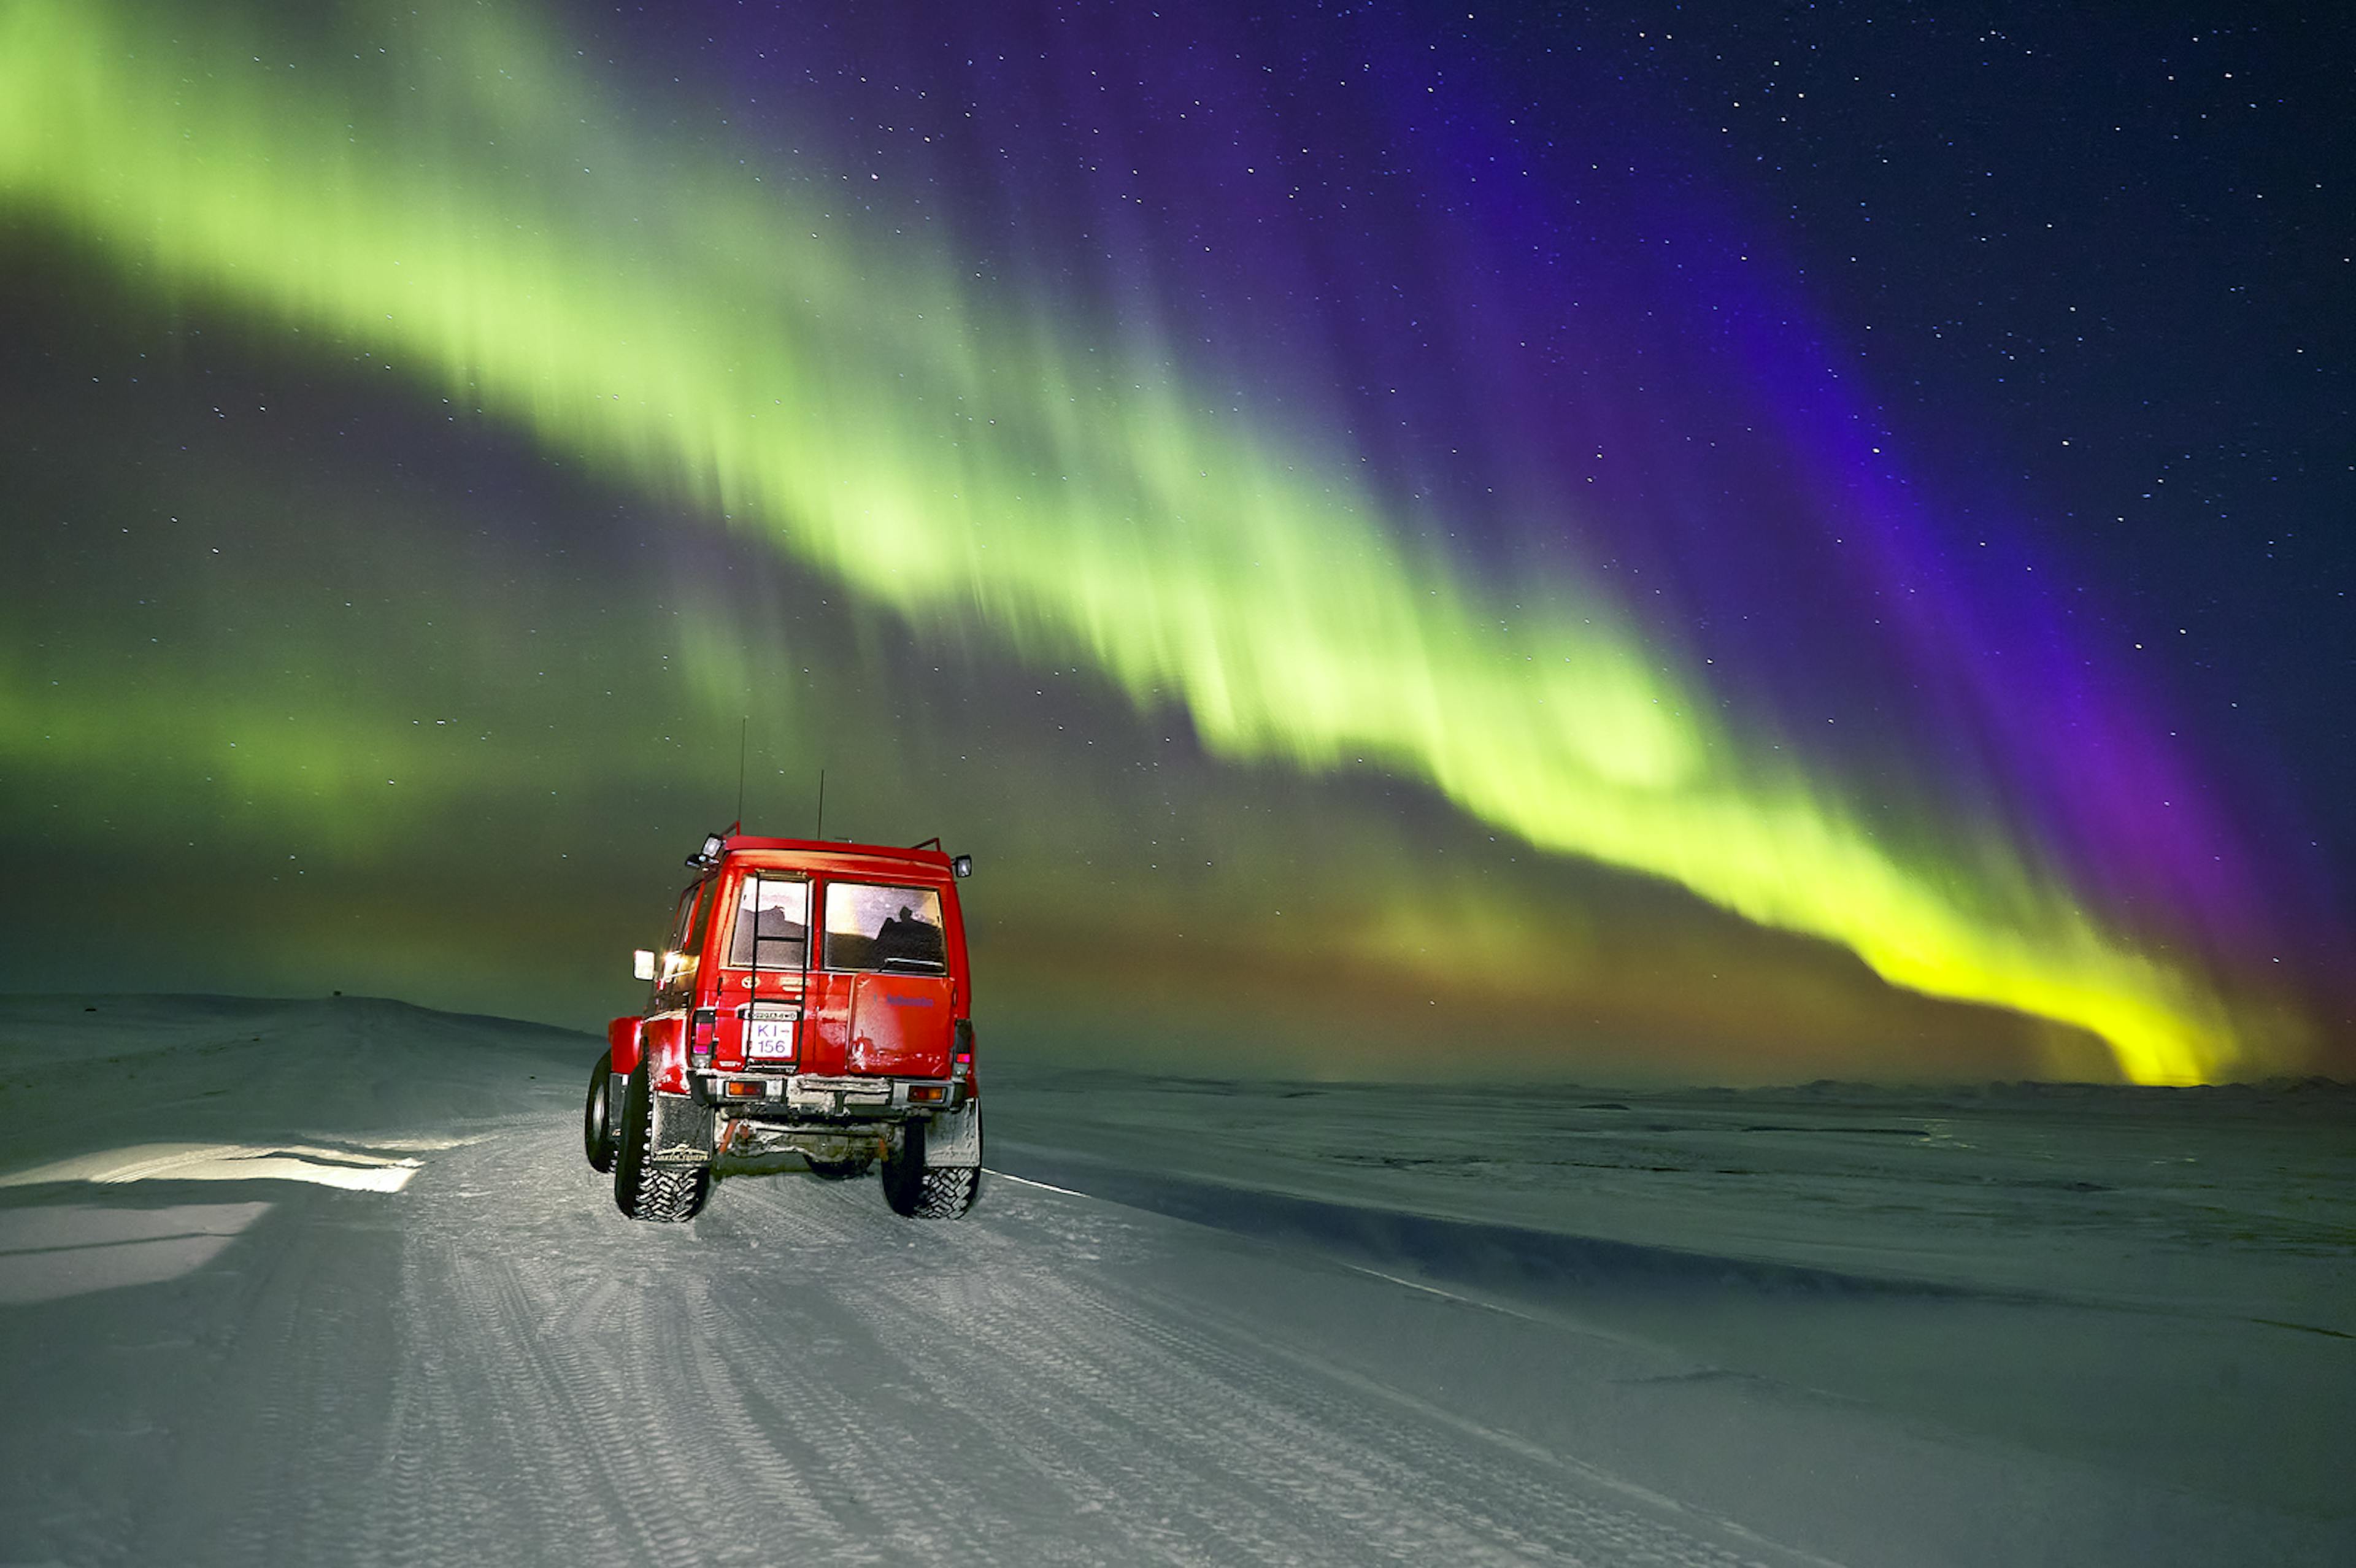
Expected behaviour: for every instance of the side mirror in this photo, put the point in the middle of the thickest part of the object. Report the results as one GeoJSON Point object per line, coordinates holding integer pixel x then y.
{"type": "Point", "coordinates": [642, 965]}
{"type": "Point", "coordinates": [962, 865]}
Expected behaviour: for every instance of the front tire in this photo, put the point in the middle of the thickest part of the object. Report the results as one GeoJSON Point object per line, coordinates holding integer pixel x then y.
{"type": "Point", "coordinates": [665, 1194]}
{"type": "Point", "coordinates": [915, 1192]}
{"type": "Point", "coordinates": [839, 1169]}
{"type": "Point", "coordinates": [597, 1116]}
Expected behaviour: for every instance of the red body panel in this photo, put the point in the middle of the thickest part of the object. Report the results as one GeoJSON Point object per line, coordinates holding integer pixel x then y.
{"type": "Point", "coordinates": [826, 1023]}
{"type": "Point", "coordinates": [900, 1024]}
{"type": "Point", "coordinates": [622, 1039]}
{"type": "Point", "coordinates": [666, 1048]}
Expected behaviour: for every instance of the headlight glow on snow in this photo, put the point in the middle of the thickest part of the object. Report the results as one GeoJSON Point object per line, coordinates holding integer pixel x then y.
{"type": "Point", "coordinates": [354, 1170]}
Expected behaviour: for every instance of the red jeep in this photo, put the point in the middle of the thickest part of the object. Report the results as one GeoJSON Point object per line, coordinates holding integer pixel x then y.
{"type": "Point", "coordinates": [850, 1046]}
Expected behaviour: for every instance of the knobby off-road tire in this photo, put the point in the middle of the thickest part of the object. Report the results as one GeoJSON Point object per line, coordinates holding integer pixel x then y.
{"type": "Point", "coordinates": [666, 1193]}
{"type": "Point", "coordinates": [917, 1193]}
{"type": "Point", "coordinates": [839, 1169]}
{"type": "Point", "coordinates": [597, 1116]}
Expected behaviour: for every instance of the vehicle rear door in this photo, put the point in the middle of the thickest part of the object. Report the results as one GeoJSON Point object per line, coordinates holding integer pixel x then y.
{"type": "Point", "coordinates": [886, 958]}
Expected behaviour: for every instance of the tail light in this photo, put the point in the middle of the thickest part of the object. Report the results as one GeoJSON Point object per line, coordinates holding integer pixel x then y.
{"type": "Point", "coordinates": [707, 1027]}
{"type": "Point", "coordinates": [963, 1066]}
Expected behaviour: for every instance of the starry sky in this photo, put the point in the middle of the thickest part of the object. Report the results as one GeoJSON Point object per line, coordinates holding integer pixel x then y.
{"type": "Point", "coordinates": [1705, 542]}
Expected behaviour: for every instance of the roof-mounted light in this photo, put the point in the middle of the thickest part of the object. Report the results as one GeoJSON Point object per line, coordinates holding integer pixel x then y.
{"type": "Point", "coordinates": [708, 854]}
{"type": "Point", "coordinates": [962, 865]}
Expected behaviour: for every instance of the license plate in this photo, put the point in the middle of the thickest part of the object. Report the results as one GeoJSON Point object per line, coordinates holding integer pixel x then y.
{"type": "Point", "coordinates": [769, 1037]}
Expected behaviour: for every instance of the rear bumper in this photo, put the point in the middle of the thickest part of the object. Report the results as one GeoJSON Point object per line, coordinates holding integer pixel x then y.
{"type": "Point", "coordinates": [809, 1097]}
{"type": "Point", "coordinates": [831, 1118]}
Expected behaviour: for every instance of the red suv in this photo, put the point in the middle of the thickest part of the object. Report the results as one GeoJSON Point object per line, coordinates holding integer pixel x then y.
{"type": "Point", "coordinates": [813, 997]}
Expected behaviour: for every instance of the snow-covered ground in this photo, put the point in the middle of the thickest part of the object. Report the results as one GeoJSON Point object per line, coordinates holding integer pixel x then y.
{"type": "Point", "coordinates": [328, 1282]}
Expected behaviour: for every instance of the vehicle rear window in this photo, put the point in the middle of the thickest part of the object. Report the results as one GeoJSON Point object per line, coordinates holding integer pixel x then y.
{"type": "Point", "coordinates": [872, 925]}
{"type": "Point", "coordinates": [772, 927]}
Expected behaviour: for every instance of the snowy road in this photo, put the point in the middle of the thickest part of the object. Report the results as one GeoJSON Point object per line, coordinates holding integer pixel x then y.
{"type": "Point", "coordinates": [490, 1365]}
{"type": "Point", "coordinates": [406, 1326]}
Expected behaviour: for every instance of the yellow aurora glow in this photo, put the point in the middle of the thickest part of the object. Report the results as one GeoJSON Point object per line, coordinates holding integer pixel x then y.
{"type": "Point", "coordinates": [666, 317]}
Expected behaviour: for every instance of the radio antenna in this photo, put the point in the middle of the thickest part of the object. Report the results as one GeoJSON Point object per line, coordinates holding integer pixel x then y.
{"type": "Point", "coordinates": [820, 834]}
{"type": "Point", "coordinates": [744, 733]}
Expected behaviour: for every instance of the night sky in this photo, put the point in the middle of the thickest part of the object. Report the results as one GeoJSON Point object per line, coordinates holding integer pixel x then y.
{"type": "Point", "coordinates": [1714, 542]}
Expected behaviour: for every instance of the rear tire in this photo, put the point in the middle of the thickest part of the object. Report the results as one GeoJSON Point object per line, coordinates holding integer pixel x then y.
{"type": "Point", "coordinates": [597, 1116]}
{"type": "Point", "coordinates": [916, 1193]}
{"type": "Point", "coordinates": [839, 1169]}
{"type": "Point", "coordinates": [669, 1194]}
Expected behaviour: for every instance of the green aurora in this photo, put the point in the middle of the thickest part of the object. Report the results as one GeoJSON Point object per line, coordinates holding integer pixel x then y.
{"type": "Point", "coordinates": [974, 470]}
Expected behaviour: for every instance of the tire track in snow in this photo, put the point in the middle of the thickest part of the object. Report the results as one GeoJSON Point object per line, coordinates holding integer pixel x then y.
{"type": "Point", "coordinates": [1479, 1493]}
{"type": "Point", "coordinates": [1409, 1487]}
{"type": "Point", "coordinates": [535, 1409]}
{"type": "Point", "coordinates": [1646, 1501]}
{"type": "Point", "coordinates": [863, 1400]}
{"type": "Point", "coordinates": [265, 1473]}
{"type": "Point", "coordinates": [432, 1422]}
{"type": "Point", "coordinates": [1106, 1425]}
{"type": "Point", "coordinates": [796, 1487]}
{"type": "Point", "coordinates": [883, 1457]}
{"type": "Point", "coordinates": [593, 1435]}
{"type": "Point", "coordinates": [1175, 1441]}
{"type": "Point", "coordinates": [803, 1375]}
{"type": "Point", "coordinates": [1267, 1485]}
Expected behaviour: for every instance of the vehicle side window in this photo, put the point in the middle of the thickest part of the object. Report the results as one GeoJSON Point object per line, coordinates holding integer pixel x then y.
{"type": "Point", "coordinates": [772, 925]}
{"type": "Point", "coordinates": [679, 917]}
{"type": "Point", "coordinates": [872, 926]}
{"type": "Point", "coordinates": [689, 939]}
{"type": "Point", "coordinates": [680, 961]}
